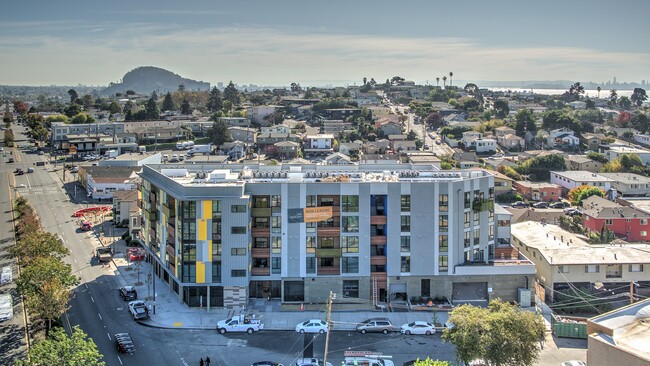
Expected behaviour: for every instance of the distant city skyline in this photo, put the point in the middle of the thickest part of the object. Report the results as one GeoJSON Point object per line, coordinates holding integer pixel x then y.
{"type": "Point", "coordinates": [278, 42]}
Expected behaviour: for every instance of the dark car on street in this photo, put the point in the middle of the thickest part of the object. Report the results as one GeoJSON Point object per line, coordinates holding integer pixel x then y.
{"type": "Point", "coordinates": [540, 205]}
{"type": "Point", "coordinates": [557, 205]}
{"type": "Point", "coordinates": [519, 204]}
{"type": "Point", "coordinates": [128, 293]}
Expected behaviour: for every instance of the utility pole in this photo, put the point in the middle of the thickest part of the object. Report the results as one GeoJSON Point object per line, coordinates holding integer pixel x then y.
{"type": "Point", "coordinates": [631, 292]}
{"type": "Point", "coordinates": [327, 338]}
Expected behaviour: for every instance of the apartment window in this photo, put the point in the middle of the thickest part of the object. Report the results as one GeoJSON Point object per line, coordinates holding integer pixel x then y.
{"type": "Point", "coordinates": [405, 203]}
{"type": "Point", "coordinates": [261, 262]}
{"type": "Point", "coordinates": [311, 227]}
{"type": "Point", "coordinates": [351, 288]}
{"type": "Point", "coordinates": [216, 250]}
{"type": "Point", "coordinates": [350, 264]}
{"type": "Point", "coordinates": [468, 199]}
{"type": "Point", "coordinates": [261, 222]}
{"type": "Point", "coordinates": [326, 242]}
{"type": "Point", "coordinates": [189, 252]}
{"type": "Point", "coordinates": [276, 201]}
{"type": "Point", "coordinates": [614, 271]}
{"type": "Point", "coordinates": [311, 264]}
{"type": "Point", "coordinates": [643, 233]}
{"type": "Point", "coordinates": [311, 244]}
{"type": "Point", "coordinates": [216, 272]}
{"type": "Point", "coordinates": [216, 209]}
{"type": "Point", "coordinates": [326, 201]}
{"type": "Point", "coordinates": [491, 215]}
{"type": "Point", "coordinates": [350, 224]}
{"type": "Point", "coordinates": [260, 242]}
{"type": "Point", "coordinates": [405, 266]}
{"type": "Point", "coordinates": [378, 268]}
{"type": "Point", "coordinates": [443, 243]}
{"type": "Point", "coordinates": [276, 265]}
{"type": "Point", "coordinates": [261, 202]}
{"type": "Point", "coordinates": [491, 232]}
{"type": "Point", "coordinates": [591, 268]}
{"type": "Point", "coordinates": [563, 269]}
{"type": "Point", "coordinates": [443, 202]}
{"type": "Point", "coordinates": [644, 221]}
{"type": "Point", "coordinates": [189, 273]}
{"type": "Point", "coordinates": [238, 230]}
{"type": "Point", "coordinates": [466, 219]}
{"type": "Point", "coordinates": [425, 287]}
{"type": "Point", "coordinates": [189, 230]}
{"type": "Point", "coordinates": [238, 208]}
{"type": "Point", "coordinates": [442, 263]}
{"type": "Point", "coordinates": [237, 251]}
{"type": "Point", "coordinates": [405, 244]}
{"type": "Point", "coordinates": [276, 224]}
{"type": "Point", "coordinates": [476, 218]}
{"type": "Point", "coordinates": [468, 240]}
{"type": "Point", "coordinates": [189, 209]}
{"type": "Point", "coordinates": [311, 200]}
{"type": "Point", "coordinates": [238, 273]}
{"type": "Point", "coordinates": [350, 244]}
{"type": "Point", "coordinates": [216, 230]}
{"type": "Point", "coordinates": [491, 191]}
{"type": "Point", "coordinates": [405, 223]}
{"type": "Point", "coordinates": [327, 262]}
{"type": "Point", "coordinates": [443, 223]}
{"type": "Point", "coordinates": [350, 203]}
{"type": "Point", "coordinates": [608, 221]}
{"type": "Point", "coordinates": [636, 268]}
{"type": "Point", "coordinates": [477, 236]}
{"type": "Point", "coordinates": [276, 245]}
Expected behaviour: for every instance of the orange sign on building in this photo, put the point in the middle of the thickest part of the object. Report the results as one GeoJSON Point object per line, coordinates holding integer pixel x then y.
{"type": "Point", "coordinates": [316, 214]}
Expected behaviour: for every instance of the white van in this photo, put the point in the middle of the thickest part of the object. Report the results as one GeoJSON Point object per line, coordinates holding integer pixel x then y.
{"type": "Point", "coordinates": [165, 158]}
{"type": "Point", "coordinates": [6, 307]}
{"type": "Point", "coordinates": [7, 275]}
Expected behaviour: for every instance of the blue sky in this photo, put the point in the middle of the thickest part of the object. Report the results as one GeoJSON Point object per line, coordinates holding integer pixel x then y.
{"type": "Point", "coordinates": [268, 42]}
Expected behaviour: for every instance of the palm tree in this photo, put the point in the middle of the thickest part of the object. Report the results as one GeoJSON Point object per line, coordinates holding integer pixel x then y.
{"type": "Point", "coordinates": [364, 80]}
{"type": "Point", "coordinates": [437, 81]}
{"type": "Point", "coordinates": [598, 89]}
{"type": "Point", "coordinates": [451, 75]}
{"type": "Point", "coordinates": [444, 81]}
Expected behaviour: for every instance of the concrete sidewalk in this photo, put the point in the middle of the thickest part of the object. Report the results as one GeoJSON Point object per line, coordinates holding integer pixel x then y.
{"type": "Point", "coordinates": [171, 313]}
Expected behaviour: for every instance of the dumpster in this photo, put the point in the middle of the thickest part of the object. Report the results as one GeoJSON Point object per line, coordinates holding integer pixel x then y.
{"type": "Point", "coordinates": [569, 327]}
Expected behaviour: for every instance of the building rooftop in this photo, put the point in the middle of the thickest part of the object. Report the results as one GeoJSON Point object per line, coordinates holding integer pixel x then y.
{"type": "Point", "coordinates": [628, 150]}
{"type": "Point", "coordinates": [111, 174]}
{"type": "Point", "coordinates": [601, 208]}
{"type": "Point", "coordinates": [582, 176]}
{"type": "Point", "coordinates": [536, 185]}
{"type": "Point", "coordinates": [627, 178]}
{"type": "Point", "coordinates": [560, 247]}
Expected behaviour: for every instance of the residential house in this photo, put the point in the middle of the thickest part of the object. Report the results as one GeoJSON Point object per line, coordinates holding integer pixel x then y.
{"type": "Point", "coordinates": [287, 150]}
{"type": "Point", "coordinates": [343, 113]}
{"type": "Point", "coordinates": [397, 137]}
{"type": "Point", "coordinates": [235, 150]}
{"type": "Point", "coordinates": [245, 134]}
{"type": "Point", "coordinates": [593, 140]}
{"type": "Point", "coordinates": [578, 104]}
{"type": "Point", "coordinates": [364, 99]}
{"type": "Point", "coordinates": [404, 145]}
{"type": "Point", "coordinates": [627, 222]}
{"type": "Point", "coordinates": [511, 142]}
{"type": "Point", "coordinates": [463, 164]}
{"type": "Point", "coordinates": [502, 183]}
{"type": "Point", "coordinates": [615, 151]}
{"type": "Point", "coordinates": [475, 141]}
{"type": "Point", "coordinates": [494, 163]}
{"type": "Point", "coordinates": [266, 139]}
{"type": "Point", "coordinates": [565, 261]}
{"type": "Point", "coordinates": [348, 148]}
{"type": "Point", "coordinates": [538, 191]}
{"type": "Point", "coordinates": [563, 138]}
{"type": "Point", "coordinates": [380, 146]}
{"type": "Point", "coordinates": [101, 182]}
{"type": "Point", "coordinates": [60, 130]}
{"type": "Point", "coordinates": [125, 205]}
{"type": "Point", "coordinates": [236, 121]}
{"type": "Point", "coordinates": [422, 157]}
{"type": "Point", "coordinates": [335, 126]}
{"type": "Point", "coordinates": [390, 128]}
{"type": "Point", "coordinates": [643, 139]}
{"type": "Point", "coordinates": [582, 162]}
{"type": "Point", "coordinates": [320, 144]}
{"type": "Point", "coordinates": [259, 113]}
{"type": "Point", "coordinates": [337, 158]}
{"type": "Point", "coordinates": [460, 155]}
{"type": "Point", "coordinates": [629, 184]}
{"type": "Point", "coordinates": [621, 336]}
{"type": "Point", "coordinates": [504, 130]}
{"type": "Point", "coordinates": [572, 179]}
{"type": "Point", "coordinates": [282, 129]}
{"type": "Point", "coordinates": [618, 131]}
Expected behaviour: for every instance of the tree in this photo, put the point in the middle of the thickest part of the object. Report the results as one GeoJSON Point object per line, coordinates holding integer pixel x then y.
{"type": "Point", "coordinates": [130, 92]}
{"type": "Point", "coordinates": [555, 119]}
{"type": "Point", "coordinates": [72, 110]}
{"type": "Point", "coordinates": [444, 81]}
{"type": "Point", "coordinates": [437, 81]}
{"type": "Point", "coordinates": [37, 244]}
{"type": "Point", "coordinates": [451, 75]}
{"type": "Point", "coordinates": [626, 163]}
{"type": "Point", "coordinates": [151, 109]}
{"type": "Point", "coordinates": [539, 167]}
{"type": "Point", "coordinates": [168, 102]}
{"type": "Point", "coordinates": [638, 96]}
{"type": "Point", "coordinates": [231, 94]}
{"type": "Point", "coordinates": [185, 108]}
{"type": "Point", "coordinates": [73, 95]}
{"type": "Point", "coordinates": [215, 100]}
{"type": "Point", "coordinates": [597, 157]}
{"type": "Point", "coordinates": [59, 349]}
{"type": "Point", "coordinates": [640, 122]}
{"type": "Point", "coordinates": [501, 108]}
{"type": "Point", "coordinates": [295, 87]}
{"type": "Point", "coordinates": [502, 334]}
{"type": "Point", "coordinates": [598, 89]}
{"type": "Point", "coordinates": [115, 108]}
{"type": "Point", "coordinates": [581, 193]}
{"type": "Point", "coordinates": [575, 91]}
{"type": "Point", "coordinates": [397, 80]}
{"type": "Point", "coordinates": [79, 119]}
{"type": "Point", "coordinates": [613, 96]}
{"type": "Point", "coordinates": [471, 88]}
{"type": "Point", "coordinates": [525, 121]}
{"type": "Point", "coordinates": [365, 80]}
{"type": "Point", "coordinates": [430, 362]}
{"type": "Point", "coordinates": [624, 102]}
{"type": "Point", "coordinates": [411, 136]}
{"type": "Point", "coordinates": [88, 101]}
{"type": "Point", "coordinates": [218, 133]}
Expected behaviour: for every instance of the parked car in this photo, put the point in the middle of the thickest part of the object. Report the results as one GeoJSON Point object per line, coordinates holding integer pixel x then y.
{"type": "Point", "coordinates": [30, 170]}
{"type": "Point", "coordinates": [266, 363]}
{"type": "Point", "coordinates": [382, 325]}
{"type": "Point", "coordinates": [139, 310]}
{"type": "Point", "coordinates": [40, 152]}
{"type": "Point", "coordinates": [124, 343]}
{"type": "Point", "coordinates": [11, 160]}
{"type": "Point", "coordinates": [19, 171]}
{"type": "Point", "coordinates": [418, 327]}
{"type": "Point", "coordinates": [559, 204]}
{"type": "Point", "coordinates": [312, 326]}
{"type": "Point", "coordinates": [128, 293]}
{"type": "Point", "coordinates": [519, 204]}
{"type": "Point", "coordinates": [574, 363]}
{"type": "Point", "coordinates": [541, 205]}
{"type": "Point", "coordinates": [572, 212]}
{"type": "Point", "coordinates": [136, 254]}
{"type": "Point", "coordinates": [310, 362]}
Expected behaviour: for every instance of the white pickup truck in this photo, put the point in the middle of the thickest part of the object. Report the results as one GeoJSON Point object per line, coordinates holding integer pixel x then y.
{"type": "Point", "coordinates": [240, 323]}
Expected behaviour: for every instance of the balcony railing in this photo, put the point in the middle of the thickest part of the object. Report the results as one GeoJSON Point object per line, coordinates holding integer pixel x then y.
{"type": "Point", "coordinates": [260, 271]}
{"type": "Point", "coordinates": [378, 220]}
{"type": "Point", "coordinates": [261, 212]}
{"type": "Point", "coordinates": [482, 205]}
{"type": "Point", "coordinates": [329, 231]}
{"type": "Point", "coordinates": [328, 270]}
{"type": "Point", "coordinates": [260, 252]}
{"type": "Point", "coordinates": [378, 240]}
{"type": "Point", "coordinates": [329, 252]}
{"type": "Point", "coordinates": [151, 216]}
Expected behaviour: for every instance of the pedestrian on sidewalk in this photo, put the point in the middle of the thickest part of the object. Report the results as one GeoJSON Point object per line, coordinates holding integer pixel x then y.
{"type": "Point", "coordinates": [201, 362]}
{"type": "Point", "coordinates": [207, 361]}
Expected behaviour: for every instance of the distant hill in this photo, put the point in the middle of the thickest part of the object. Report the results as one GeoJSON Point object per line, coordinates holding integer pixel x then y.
{"type": "Point", "coordinates": [147, 79]}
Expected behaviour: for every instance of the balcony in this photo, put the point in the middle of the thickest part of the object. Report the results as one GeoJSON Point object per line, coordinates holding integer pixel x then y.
{"type": "Point", "coordinates": [170, 251]}
{"type": "Point", "coordinates": [329, 231]}
{"type": "Point", "coordinates": [260, 271]}
{"type": "Point", "coordinates": [261, 212]}
{"type": "Point", "coordinates": [258, 232]}
{"type": "Point", "coordinates": [378, 261]}
{"type": "Point", "coordinates": [171, 231]}
{"type": "Point", "coordinates": [260, 252]}
{"type": "Point", "coordinates": [378, 220]}
{"type": "Point", "coordinates": [329, 252]}
{"type": "Point", "coordinates": [482, 205]}
{"type": "Point", "coordinates": [151, 216]}
{"type": "Point", "coordinates": [168, 212]}
{"type": "Point", "coordinates": [378, 240]}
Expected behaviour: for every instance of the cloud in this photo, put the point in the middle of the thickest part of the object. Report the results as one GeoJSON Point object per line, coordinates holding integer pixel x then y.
{"type": "Point", "coordinates": [271, 56]}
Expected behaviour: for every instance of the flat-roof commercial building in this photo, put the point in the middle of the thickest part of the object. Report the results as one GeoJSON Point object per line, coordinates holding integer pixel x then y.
{"type": "Point", "coordinates": [220, 234]}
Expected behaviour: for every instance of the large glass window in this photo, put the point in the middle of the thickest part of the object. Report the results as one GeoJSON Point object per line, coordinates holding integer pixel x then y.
{"type": "Point", "coordinates": [238, 273]}
{"type": "Point", "coordinates": [443, 223]}
{"type": "Point", "coordinates": [443, 243]}
{"type": "Point", "coordinates": [311, 244]}
{"type": "Point", "coordinates": [442, 263]}
{"type": "Point", "coordinates": [311, 200]}
{"type": "Point", "coordinates": [216, 209]}
{"type": "Point", "coordinates": [276, 224]}
{"type": "Point", "coordinates": [294, 291]}
{"type": "Point", "coordinates": [405, 243]}
{"type": "Point", "coordinates": [405, 266]}
{"type": "Point", "coordinates": [276, 201]}
{"type": "Point", "coordinates": [443, 202]}
{"type": "Point", "coordinates": [261, 262]}
{"type": "Point", "coordinates": [260, 222]}
{"type": "Point", "coordinates": [238, 208]}
{"type": "Point", "coordinates": [237, 251]}
{"type": "Point", "coordinates": [189, 273]}
{"type": "Point", "coordinates": [189, 230]}
{"type": "Point", "coordinates": [260, 242]}
{"type": "Point", "coordinates": [405, 223]}
{"type": "Point", "coordinates": [188, 209]}
{"type": "Point", "coordinates": [238, 230]}
{"type": "Point", "coordinates": [327, 242]}
{"type": "Point", "coordinates": [467, 241]}
{"type": "Point", "coordinates": [350, 244]}
{"type": "Point", "coordinates": [276, 265]}
{"type": "Point", "coordinates": [261, 201]}
{"type": "Point", "coordinates": [350, 224]}
{"type": "Point", "coordinates": [216, 272]}
{"type": "Point", "coordinates": [189, 252]}
{"type": "Point", "coordinates": [477, 236]}
{"type": "Point", "coordinates": [276, 245]}
{"type": "Point", "coordinates": [350, 264]}
{"type": "Point", "coordinates": [350, 203]}
{"type": "Point", "coordinates": [351, 288]}
{"type": "Point", "coordinates": [311, 227]}
{"type": "Point", "coordinates": [467, 218]}
{"type": "Point", "coordinates": [405, 203]}
{"type": "Point", "coordinates": [216, 230]}
{"type": "Point", "coordinates": [311, 264]}
{"type": "Point", "coordinates": [468, 199]}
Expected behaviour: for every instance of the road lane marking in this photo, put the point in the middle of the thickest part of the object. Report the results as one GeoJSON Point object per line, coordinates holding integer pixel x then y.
{"type": "Point", "coordinates": [93, 301]}
{"type": "Point", "coordinates": [75, 261]}
{"type": "Point", "coordinates": [85, 284]}
{"type": "Point", "coordinates": [100, 316]}
{"type": "Point", "coordinates": [109, 337]}
{"type": "Point", "coordinates": [182, 360]}
{"type": "Point", "coordinates": [119, 359]}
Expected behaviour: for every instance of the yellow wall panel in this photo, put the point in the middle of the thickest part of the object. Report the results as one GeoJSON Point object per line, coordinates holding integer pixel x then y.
{"type": "Point", "coordinates": [207, 209]}
{"type": "Point", "coordinates": [209, 250]}
{"type": "Point", "coordinates": [202, 230]}
{"type": "Point", "coordinates": [200, 272]}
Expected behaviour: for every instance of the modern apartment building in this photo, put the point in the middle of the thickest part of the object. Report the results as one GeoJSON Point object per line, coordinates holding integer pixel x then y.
{"type": "Point", "coordinates": [221, 234]}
